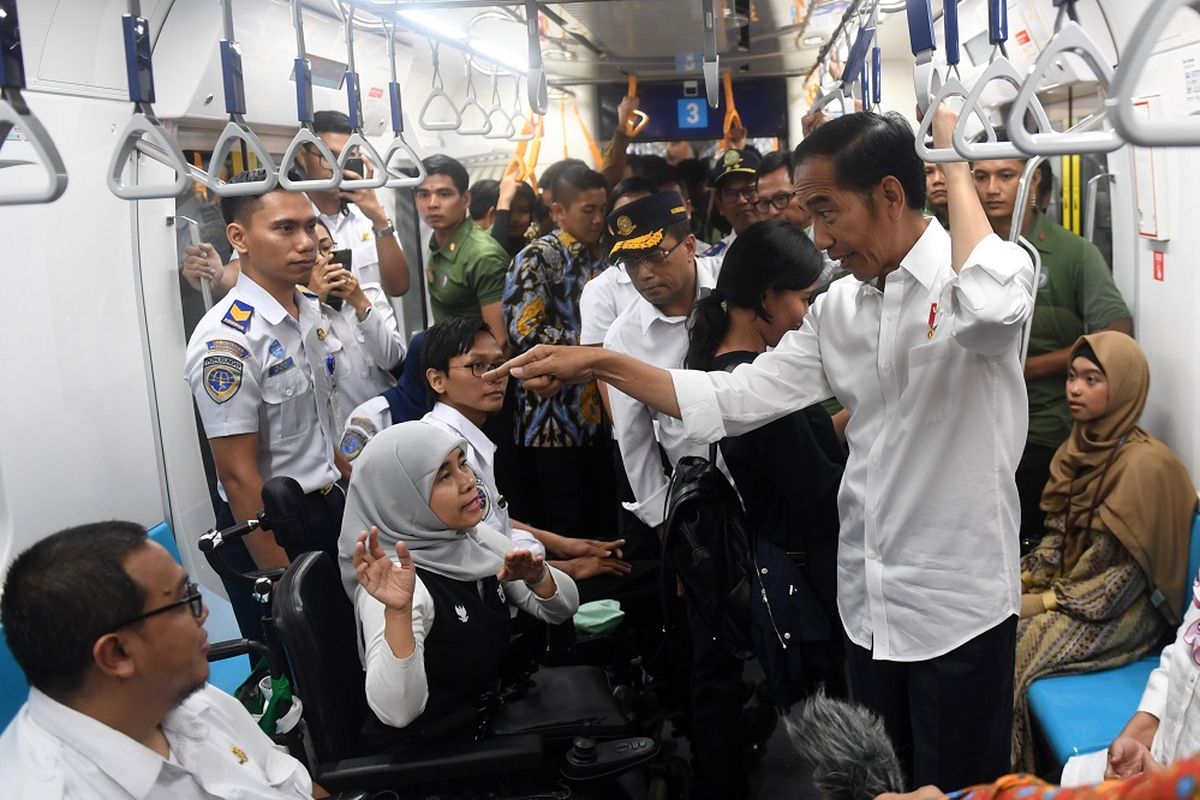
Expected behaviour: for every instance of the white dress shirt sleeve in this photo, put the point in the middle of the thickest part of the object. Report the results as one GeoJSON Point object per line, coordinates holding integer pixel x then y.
{"type": "Point", "coordinates": [597, 310]}
{"type": "Point", "coordinates": [1154, 698]}
{"type": "Point", "coordinates": [992, 297]}
{"type": "Point", "coordinates": [396, 688]}
{"type": "Point", "coordinates": [381, 338]}
{"type": "Point", "coordinates": [558, 607]}
{"type": "Point", "coordinates": [790, 377]}
{"type": "Point", "coordinates": [524, 540]}
{"type": "Point", "coordinates": [633, 428]}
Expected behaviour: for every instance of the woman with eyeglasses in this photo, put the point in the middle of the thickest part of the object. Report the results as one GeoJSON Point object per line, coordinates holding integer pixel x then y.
{"type": "Point", "coordinates": [432, 587]}
{"type": "Point", "coordinates": [787, 472]}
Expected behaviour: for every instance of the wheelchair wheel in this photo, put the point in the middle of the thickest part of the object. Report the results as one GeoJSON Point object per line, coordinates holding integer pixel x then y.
{"type": "Point", "coordinates": [672, 780]}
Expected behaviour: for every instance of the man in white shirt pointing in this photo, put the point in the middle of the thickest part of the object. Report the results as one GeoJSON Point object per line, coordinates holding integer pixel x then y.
{"type": "Point", "coordinates": [921, 345]}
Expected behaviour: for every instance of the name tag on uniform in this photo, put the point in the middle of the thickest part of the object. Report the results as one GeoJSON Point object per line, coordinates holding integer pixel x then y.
{"type": "Point", "coordinates": [280, 367]}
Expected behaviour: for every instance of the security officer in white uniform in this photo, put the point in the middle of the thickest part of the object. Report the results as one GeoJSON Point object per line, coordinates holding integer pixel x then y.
{"type": "Point", "coordinates": [259, 375]}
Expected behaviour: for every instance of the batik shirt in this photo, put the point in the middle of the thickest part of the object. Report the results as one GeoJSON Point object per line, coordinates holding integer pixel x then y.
{"type": "Point", "coordinates": [541, 306]}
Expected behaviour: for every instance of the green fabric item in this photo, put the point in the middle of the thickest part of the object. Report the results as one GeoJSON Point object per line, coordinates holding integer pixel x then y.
{"type": "Point", "coordinates": [599, 617]}
{"type": "Point", "coordinates": [465, 275]}
{"type": "Point", "coordinates": [269, 709]}
{"type": "Point", "coordinates": [1076, 296]}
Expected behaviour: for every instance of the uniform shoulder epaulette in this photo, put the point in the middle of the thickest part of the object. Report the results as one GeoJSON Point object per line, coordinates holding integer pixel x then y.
{"type": "Point", "coordinates": [307, 293]}
{"type": "Point", "coordinates": [716, 249]}
{"type": "Point", "coordinates": [238, 316]}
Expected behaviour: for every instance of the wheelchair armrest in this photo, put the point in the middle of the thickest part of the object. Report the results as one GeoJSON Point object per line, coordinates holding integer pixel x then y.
{"type": "Point", "coordinates": [497, 756]}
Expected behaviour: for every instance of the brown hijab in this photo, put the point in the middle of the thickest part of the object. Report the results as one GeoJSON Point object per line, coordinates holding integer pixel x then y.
{"type": "Point", "coordinates": [1119, 479]}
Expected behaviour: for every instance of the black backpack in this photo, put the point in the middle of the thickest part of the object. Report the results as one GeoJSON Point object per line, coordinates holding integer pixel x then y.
{"type": "Point", "coordinates": [706, 544]}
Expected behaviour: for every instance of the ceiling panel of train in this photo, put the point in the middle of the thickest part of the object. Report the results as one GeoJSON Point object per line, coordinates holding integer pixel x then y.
{"type": "Point", "coordinates": [604, 40]}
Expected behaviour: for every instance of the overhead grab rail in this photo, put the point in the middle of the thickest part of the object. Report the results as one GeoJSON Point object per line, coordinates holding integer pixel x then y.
{"type": "Point", "coordinates": [1133, 127]}
{"type": "Point", "coordinates": [236, 131]}
{"type": "Point", "coordinates": [472, 103]}
{"type": "Point", "coordinates": [305, 137]}
{"type": "Point", "coordinates": [1091, 194]}
{"type": "Point", "coordinates": [828, 95]}
{"type": "Point", "coordinates": [539, 97]}
{"type": "Point", "coordinates": [399, 145]}
{"type": "Point", "coordinates": [924, 44]}
{"type": "Point", "coordinates": [358, 142]}
{"type": "Point", "coordinates": [508, 129]}
{"type": "Point", "coordinates": [856, 62]}
{"type": "Point", "coordinates": [932, 81]}
{"type": "Point", "coordinates": [523, 124]}
{"type": "Point", "coordinates": [143, 124]}
{"type": "Point", "coordinates": [438, 91]}
{"type": "Point", "coordinates": [712, 61]}
{"type": "Point", "coordinates": [632, 129]}
{"type": "Point", "coordinates": [1069, 36]}
{"type": "Point", "coordinates": [999, 68]}
{"type": "Point", "coordinates": [1024, 187]}
{"type": "Point", "coordinates": [15, 113]}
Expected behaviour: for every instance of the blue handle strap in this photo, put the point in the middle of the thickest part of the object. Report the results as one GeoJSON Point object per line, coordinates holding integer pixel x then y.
{"type": "Point", "coordinates": [12, 64]}
{"type": "Point", "coordinates": [858, 53]}
{"type": "Point", "coordinates": [231, 75]}
{"type": "Point", "coordinates": [354, 100]}
{"type": "Point", "coordinates": [876, 76]}
{"type": "Point", "coordinates": [920, 26]}
{"type": "Point", "coordinates": [137, 59]}
{"type": "Point", "coordinates": [397, 114]}
{"type": "Point", "coordinates": [950, 28]}
{"type": "Point", "coordinates": [304, 97]}
{"type": "Point", "coordinates": [997, 21]}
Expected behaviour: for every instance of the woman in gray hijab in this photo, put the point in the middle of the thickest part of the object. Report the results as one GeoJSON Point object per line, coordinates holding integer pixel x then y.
{"type": "Point", "coordinates": [434, 619]}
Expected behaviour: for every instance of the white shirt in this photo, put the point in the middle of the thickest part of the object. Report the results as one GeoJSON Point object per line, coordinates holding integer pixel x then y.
{"type": "Point", "coordinates": [354, 231]}
{"type": "Point", "coordinates": [50, 751]}
{"type": "Point", "coordinates": [721, 247]}
{"type": "Point", "coordinates": [363, 352]}
{"type": "Point", "coordinates": [1171, 694]}
{"type": "Point", "coordinates": [481, 452]}
{"type": "Point", "coordinates": [611, 292]}
{"type": "Point", "coordinates": [253, 368]}
{"type": "Point", "coordinates": [645, 333]}
{"type": "Point", "coordinates": [368, 419]}
{"type": "Point", "coordinates": [927, 557]}
{"type": "Point", "coordinates": [397, 689]}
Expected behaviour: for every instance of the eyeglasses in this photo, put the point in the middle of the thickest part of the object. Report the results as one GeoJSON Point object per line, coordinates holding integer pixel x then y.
{"type": "Point", "coordinates": [652, 259]}
{"type": "Point", "coordinates": [781, 201]}
{"type": "Point", "coordinates": [729, 194]}
{"type": "Point", "coordinates": [478, 370]}
{"type": "Point", "coordinates": [191, 599]}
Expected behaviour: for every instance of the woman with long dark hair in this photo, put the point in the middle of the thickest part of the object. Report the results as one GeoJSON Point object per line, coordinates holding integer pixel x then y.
{"type": "Point", "coordinates": [787, 472]}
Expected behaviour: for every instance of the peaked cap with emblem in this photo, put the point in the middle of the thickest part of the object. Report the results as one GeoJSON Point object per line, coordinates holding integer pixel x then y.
{"type": "Point", "coordinates": [640, 225]}
{"type": "Point", "coordinates": [735, 162]}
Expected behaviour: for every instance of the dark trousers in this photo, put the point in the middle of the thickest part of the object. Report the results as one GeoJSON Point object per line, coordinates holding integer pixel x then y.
{"type": "Point", "coordinates": [569, 491]}
{"type": "Point", "coordinates": [1032, 474]}
{"type": "Point", "coordinates": [950, 717]}
{"type": "Point", "coordinates": [323, 526]}
{"type": "Point", "coordinates": [716, 698]}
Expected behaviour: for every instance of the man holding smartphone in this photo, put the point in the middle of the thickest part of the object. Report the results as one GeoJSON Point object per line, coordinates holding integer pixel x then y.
{"type": "Point", "coordinates": [355, 219]}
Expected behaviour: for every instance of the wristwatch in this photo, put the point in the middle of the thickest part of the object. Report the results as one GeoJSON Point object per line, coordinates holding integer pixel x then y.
{"type": "Point", "coordinates": [389, 230]}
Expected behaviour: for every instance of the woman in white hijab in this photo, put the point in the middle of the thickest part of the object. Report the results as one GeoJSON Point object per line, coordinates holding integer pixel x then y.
{"type": "Point", "coordinates": [435, 618]}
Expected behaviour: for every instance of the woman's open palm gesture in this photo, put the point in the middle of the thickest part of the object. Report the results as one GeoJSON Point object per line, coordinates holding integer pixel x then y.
{"type": "Point", "coordinates": [388, 582]}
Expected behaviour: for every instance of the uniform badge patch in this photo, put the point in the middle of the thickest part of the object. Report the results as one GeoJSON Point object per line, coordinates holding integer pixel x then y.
{"type": "Point", "coordinates": [281, 367]}
{"type": "Point", "coordinates": [238, 316]}
{"type": "Point", "coordinates": [353, 442]}
{"type": "Point", "coordinates": [485, 501]}
{"type": "Point", "coordinates": [277, 349]}
{"type": "Point", "coordinates": [227, 346]}
{"type": "Point", "coordinates": [624, 225]}
{"type": "Point", "coordinates": [366, 424]}
{"type": "Point", "coordinates": [222, 377]}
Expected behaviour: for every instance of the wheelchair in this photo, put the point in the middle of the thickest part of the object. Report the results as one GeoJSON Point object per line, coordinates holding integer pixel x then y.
{"type": "Point", "coordinates": [565, 736]}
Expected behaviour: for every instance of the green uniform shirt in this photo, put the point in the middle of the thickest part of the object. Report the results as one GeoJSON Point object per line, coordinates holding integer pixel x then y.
{"type": "Point", "coordinates": [465, 275]}
{"type": "Point", "coordinates": [1076, 295]}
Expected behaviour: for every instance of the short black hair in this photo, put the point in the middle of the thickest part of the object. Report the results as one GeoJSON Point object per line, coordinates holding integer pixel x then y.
{"type": "Point", "coordinates": [550, 174]}
{"type": "Point", "coordinates": [331, 122]}
{"type": "Point", "coordinates": [574, 181]}
{"type": "Point", "coordinates": [451, 337]}
{"type": "Point", "coordinates": [777, 160]}
{"type": "Point", "coordinates": [485, 194]}
{"type": "Point", "coordinates": [694, 171]}
{"type": "Point", "coordinates": [648, 164]}
{"type": "Point", "coordinates": [442, 164]}
{"type": "Point", "coordinates": [669, 179]}
{"type": "Point", "coordinates": [63, 594]}
{"type": "Point", "coordinates": [865, 148]}
{"type": "Point", "coordinates": [238, 209]}
{"type": "Point", "coordinates": [678, 230]}
{"type": "Point", "coordinates": [1046, 184]}
{"type": "Point", "coordinates": [635, 184]}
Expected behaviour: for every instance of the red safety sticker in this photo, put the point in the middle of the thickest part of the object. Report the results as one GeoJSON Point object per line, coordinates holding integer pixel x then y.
{"type": "Point", "coordinates": [375, 93]}
{"type": "Point", "coordinates": [1159, 262]}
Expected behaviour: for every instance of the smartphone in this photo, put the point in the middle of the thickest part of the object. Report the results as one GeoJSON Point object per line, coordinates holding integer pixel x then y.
{"type": "Point", "coordinates": [343, 259]}
{"type": "Point", "coordinates": [356, 166]}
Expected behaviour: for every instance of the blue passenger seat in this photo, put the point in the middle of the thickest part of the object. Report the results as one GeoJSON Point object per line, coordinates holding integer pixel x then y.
{"type": "Point", "coordinates": [226, 675]}
{"type": "Point", "coordinates": [1083, 713]}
